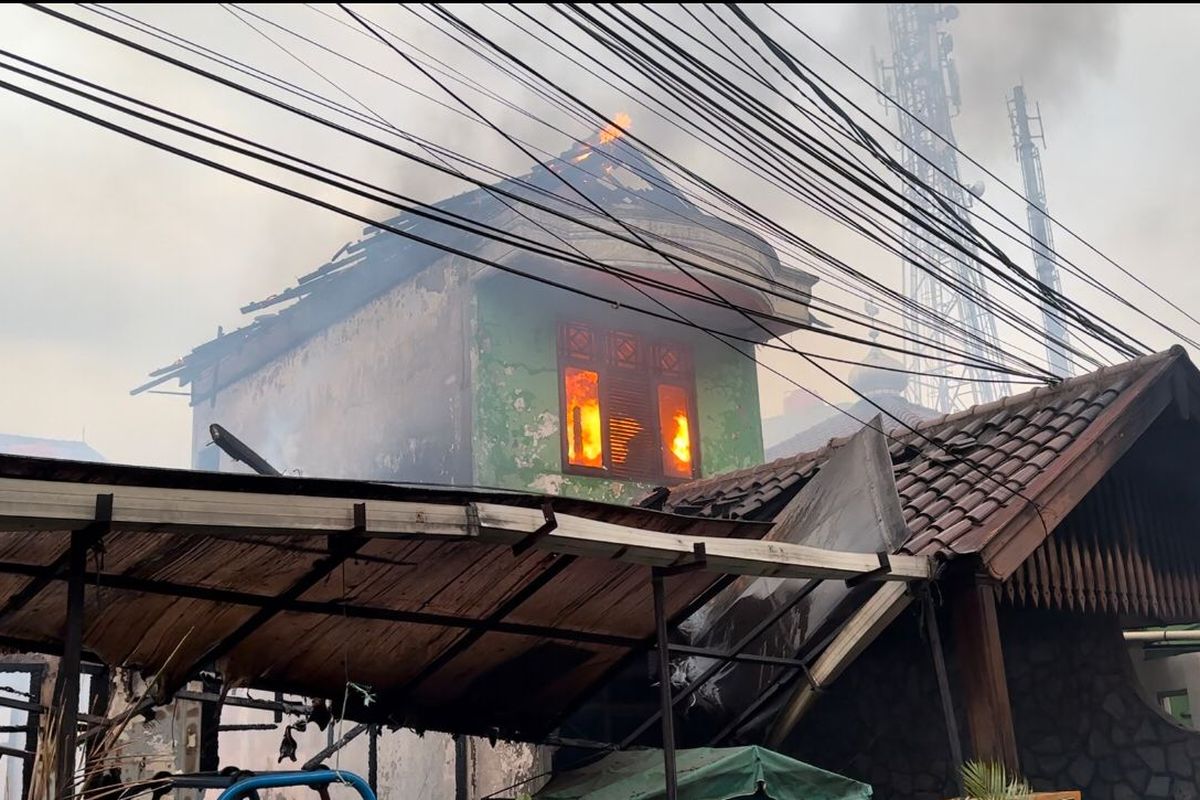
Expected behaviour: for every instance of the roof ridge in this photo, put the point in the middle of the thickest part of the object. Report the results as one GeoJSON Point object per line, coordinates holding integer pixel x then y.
{"type": "Point", "coordinates": [1067, 384]}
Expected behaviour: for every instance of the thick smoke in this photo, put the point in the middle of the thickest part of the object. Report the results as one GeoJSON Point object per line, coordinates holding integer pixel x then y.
{"type": "Point", "coordinates": [121, 259]}
{"type": "Point", "coordinates": [1057, 50]}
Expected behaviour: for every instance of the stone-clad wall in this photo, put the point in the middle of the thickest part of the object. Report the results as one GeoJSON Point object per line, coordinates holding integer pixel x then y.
{"type": "Point", "coordinates": [881, 721]}
{"type": "Point", "coordinates": [1082, 722]}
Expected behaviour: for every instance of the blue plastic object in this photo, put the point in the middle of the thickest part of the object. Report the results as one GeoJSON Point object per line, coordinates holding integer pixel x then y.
{"type": "Point", "coordinates": [278, 780]}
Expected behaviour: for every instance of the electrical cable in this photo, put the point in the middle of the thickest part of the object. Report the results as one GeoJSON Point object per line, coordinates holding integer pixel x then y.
{"type": "Point", "coordinates": [406, 234]}
{"type": "Point", "coordinates": [283, 105]}
{"type": "Point", "coordinates": [974, 162]}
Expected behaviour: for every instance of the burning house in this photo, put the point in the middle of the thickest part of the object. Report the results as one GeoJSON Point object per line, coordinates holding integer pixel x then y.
{"type": "Point", "coordinates": [497, 339]}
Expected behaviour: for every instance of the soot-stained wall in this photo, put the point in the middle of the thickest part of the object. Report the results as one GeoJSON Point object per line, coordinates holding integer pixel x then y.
{"type": "Point", "coordinates": [382, 394]}
{"type": "Point", "coordinates": [1081, 719]}
{"type": "Point", "coordinates": [448, 380]}
{"type": "Point", "coordinates": [516, 416]}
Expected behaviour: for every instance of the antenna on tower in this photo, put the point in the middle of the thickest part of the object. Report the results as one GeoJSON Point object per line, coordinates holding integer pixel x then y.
{"type": "Point", "coordinates": [924, 80]}
{"type": "Point", "coordinates": [1041, 237]}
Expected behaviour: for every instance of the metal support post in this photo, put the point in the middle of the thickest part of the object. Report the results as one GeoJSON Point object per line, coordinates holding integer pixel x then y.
{"type": "Point", "coordinates": [664, 684]}
{"type": "Point", "coordinates": [66, 695]}
{"type": "Point", "coordinates": [373, 758]}
{"type": "Point", "coordinates": [939, 668]}
{"type": "Point", "coordinates": [462, 767]}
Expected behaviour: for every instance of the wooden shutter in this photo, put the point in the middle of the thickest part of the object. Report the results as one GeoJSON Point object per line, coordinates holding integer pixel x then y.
{"type": "Point", "coordinates": [632, 433]}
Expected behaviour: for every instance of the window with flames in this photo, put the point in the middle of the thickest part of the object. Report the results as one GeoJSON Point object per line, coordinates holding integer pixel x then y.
{"type": "Point", "coordinates": [628, 405]}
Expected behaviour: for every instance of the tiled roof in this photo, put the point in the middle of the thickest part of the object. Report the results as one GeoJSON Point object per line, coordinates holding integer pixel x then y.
{"type": "Point", "coordinates": [956, 471]}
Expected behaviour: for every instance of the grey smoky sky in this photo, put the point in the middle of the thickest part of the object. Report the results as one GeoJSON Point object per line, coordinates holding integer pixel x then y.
{"type": "Point", "coordinates": [118, 259]}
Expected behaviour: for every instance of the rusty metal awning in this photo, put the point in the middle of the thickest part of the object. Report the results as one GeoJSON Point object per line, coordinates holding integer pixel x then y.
{"type": "Point", "coordinates": [469, 612]}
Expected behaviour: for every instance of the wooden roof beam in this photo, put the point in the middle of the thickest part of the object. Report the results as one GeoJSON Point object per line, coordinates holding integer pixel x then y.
{"type": "Point", "coordinates": [62, 505]}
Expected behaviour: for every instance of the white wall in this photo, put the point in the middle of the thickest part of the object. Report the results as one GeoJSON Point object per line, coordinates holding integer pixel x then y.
{"type": "Point", "coordinates": [1169, 674]}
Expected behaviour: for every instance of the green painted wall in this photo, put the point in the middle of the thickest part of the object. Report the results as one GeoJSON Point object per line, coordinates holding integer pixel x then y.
{"type": "Point", "coordinates": [515, 426]}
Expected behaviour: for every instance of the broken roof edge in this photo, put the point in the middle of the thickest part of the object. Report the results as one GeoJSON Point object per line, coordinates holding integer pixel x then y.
{"type": "Point", "coordinates": [348, 261]}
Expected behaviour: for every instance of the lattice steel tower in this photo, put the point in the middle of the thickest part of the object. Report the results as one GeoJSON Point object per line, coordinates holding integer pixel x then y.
{"type": "Point", "coordinates": [923, 79]}
{"type": "Point", "coordinates": [1041, 237]}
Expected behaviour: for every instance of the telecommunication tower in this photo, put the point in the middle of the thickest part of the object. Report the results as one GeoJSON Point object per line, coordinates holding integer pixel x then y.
{"type": "Point", "coordinates": [1040, 235]}
{"type": "Point", "coordinates": [922, 78]}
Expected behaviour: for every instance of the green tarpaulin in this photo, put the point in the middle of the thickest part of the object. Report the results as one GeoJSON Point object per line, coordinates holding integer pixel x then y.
{"type": "Point", "coordinates": [710, 773]}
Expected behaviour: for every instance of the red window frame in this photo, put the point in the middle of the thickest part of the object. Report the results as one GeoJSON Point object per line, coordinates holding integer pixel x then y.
{"type": "Point", "coordinates": [635, 373]}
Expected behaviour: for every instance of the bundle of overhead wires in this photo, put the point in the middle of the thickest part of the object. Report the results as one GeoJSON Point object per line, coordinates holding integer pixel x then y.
{"type": "Point", "coordinates": [750, 123]}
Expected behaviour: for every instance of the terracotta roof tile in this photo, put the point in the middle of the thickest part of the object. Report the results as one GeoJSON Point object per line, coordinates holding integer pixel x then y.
{"type": "Point", "coordinates": [1043, 458]}
{"type": "Point", "coordinates": [939, 507]}
{"type": "Point", "coordinates": [1025, 474]}
{"type": "Point", "coordinates": [1060, 442]}
{"type": "Point", "coordinates": [954, 472]}
{"type": "Point", "coordinates": [918, 523]}
{"type": "Point", "coordinates": [991, 460]}
{"type": "Point", "coordinates": [1042, 436]}
{"type": "Point", "coordinates": [1028, 448]}
{"type": "Point", "coordinates": [1042, 417]}
{"type": "Point", "coordinates": [954, 531]}
{"type": "Point", "coordinates": [980, 512]}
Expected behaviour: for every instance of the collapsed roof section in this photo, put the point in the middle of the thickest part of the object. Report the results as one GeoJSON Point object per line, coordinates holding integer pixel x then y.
{"type": "Point", "coordinates": [632, 238]}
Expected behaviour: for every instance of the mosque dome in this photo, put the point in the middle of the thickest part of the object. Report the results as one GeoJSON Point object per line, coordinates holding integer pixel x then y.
{"type": "Point", "coordinates": [879, 373]}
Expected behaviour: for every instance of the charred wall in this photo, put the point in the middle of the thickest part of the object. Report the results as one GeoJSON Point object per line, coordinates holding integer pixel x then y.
{"type": "Point", "coordinates": [382, 394]}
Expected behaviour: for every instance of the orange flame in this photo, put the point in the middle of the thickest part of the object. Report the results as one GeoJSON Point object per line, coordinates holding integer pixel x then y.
{"type": "Point", "coordinates": [613, 130]}
{"type": "Point", "coordinates": [681, 443]}
{"type": "Point", "coordinates": [584, 445]}
{"type": "Point", "coordinates": [675, 429]}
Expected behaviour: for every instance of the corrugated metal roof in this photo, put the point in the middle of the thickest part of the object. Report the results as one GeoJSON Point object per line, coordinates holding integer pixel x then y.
{"type": "Point", "coordinates": [12, 444]}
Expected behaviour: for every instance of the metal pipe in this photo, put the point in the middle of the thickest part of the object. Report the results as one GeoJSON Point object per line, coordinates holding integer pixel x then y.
{"type": "Point", "coordinates": [238, 450]}
{"type": "Point", "coordinates": [726, 656]}
{"type": "Point", "coordinates": [667, 708]}
{"type": "Point", "coordinates": [284, 707]}
{"type": "Point", "coordinates": [66, 695]}
{"type": "Point", "coordinates": [250, 726]}
{"type": "Point", "coordinates": [1162, 636]}
{"type": "Point", "coordinates": [346, 738]}
{"type": "Point", "coordinates": [16, 753]}
{"type": "Point", "coordinates": [723, 658]}
{"type": "Point", "coordinates": [373, 758]}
